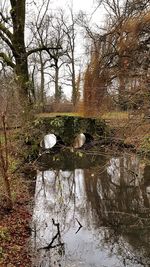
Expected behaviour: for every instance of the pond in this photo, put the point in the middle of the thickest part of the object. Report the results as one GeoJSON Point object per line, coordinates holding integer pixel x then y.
{"type": "Point", "coordinates": [91, 210]}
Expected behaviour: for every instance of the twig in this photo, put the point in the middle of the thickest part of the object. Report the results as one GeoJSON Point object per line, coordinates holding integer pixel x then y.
{"type": "Point", "coordinates": [80, 226]}
{"type": "Point", "coordinates": [50, 245]}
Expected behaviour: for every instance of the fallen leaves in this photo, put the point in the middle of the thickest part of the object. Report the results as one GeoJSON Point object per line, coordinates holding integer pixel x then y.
{"type": "Point", "coordinates": [14, 236]}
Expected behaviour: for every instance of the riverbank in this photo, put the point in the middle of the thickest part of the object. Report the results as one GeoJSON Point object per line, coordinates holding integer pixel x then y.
{"type": "Point", "coordinates": [134, 134]}
{"type": "Point", "coordinates": [15, 225]}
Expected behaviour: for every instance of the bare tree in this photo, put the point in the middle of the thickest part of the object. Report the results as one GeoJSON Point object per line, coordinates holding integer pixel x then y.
{"type": "Point", "coordinates": [50, 33]}
{"type": "Point", "coordinates": [70, 31]}
{"type": "Point", "coordinates": [57, 30]}
{"type": "Point", "coordinates": [12, 33]}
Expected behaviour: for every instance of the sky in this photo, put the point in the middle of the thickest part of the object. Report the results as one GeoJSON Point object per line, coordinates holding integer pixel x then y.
{"type": "Point", "coordinates": [89, 6]}
{"type": "Point", "coordinates": [85, 5]}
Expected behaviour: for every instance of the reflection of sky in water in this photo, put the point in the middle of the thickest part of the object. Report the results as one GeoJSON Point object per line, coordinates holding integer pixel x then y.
{"type": "Point", "coordinates": [131, 169]}
{"type": "Point", "coordinates": [84, 249]}
{"type": "Point", "coordinates": [79, 140]}
{"type": "Point", "coordinates": [114, 169]}
{"type": "Point", "coordinates": [53, 200]}
{"type": "Point", "coordinates": [65, 197]}
{"type": "Point", "coordinates": [49, 141]}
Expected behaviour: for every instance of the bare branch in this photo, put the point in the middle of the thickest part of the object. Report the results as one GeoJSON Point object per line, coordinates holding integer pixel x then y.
{"type": "Point", "coordinates": [39, 49]}
{"type": "Point", "coordinates": [5, 19]}
{"type": "Point", "coordinates": [7, 60]}
{"type": "Point", "coordinates": [6, 40]}
{"type": "Point", "coordinates": [6, 31]}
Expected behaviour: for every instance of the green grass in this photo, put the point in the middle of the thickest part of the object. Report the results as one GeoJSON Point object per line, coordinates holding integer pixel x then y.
{"type": "Point", "coordinates": [2, 139]}
{"type": "Point", "coordinates": [108, 115]}
{"type": "Point", "coordinates": [54, 114]}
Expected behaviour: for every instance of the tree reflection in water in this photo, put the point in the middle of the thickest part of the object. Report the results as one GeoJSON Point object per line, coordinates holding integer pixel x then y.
{"type": "Point", "coordinates": [113, 206]}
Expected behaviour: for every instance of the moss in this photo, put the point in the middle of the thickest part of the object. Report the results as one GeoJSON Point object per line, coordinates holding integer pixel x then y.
{"type": "Point", "coordinates": [145, 146]}
{"type": "Point", "coordinates": [4, 233]}
{"type": "Point", "coordinates": [67, 127]}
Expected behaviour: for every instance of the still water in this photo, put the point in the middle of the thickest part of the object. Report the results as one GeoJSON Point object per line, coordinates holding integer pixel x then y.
{"type": "Point", "coordinates": [91, 211]}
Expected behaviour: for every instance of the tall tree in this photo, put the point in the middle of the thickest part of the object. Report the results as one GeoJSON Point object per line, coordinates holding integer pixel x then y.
{"type": "Point", "coordinates": [16, 42]}
{"type": "Point", "coordinates": [50, 33]}
{"type": "Point", "coordinates": [70, 31]}
{"type": "Point", "coordinates": [123, 50]}
{"type": "Point", "coordinates": [12, 32]}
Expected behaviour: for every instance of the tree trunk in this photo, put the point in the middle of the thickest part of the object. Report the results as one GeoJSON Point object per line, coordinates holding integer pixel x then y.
{"type": "Point", "coordinates": [121, 96]}
{"type": "Point", "coordinates": [19, 52]}
{"type": "Point", "coordinates": [4, 162]}
{"type": "Point", "coordinates": [74, 87]}
{"type": "Point", "coordinates": [57, 93]}
{"type": "Point", "coordinates": [42, 93]}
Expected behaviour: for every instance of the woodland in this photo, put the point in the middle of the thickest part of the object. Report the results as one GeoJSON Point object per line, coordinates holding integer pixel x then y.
{"type": "Point", "coordinates": [56, 62]}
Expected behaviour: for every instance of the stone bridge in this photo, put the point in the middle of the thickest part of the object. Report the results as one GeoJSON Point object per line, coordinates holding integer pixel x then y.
{"type": "Point", "coordinates": [66, 128]}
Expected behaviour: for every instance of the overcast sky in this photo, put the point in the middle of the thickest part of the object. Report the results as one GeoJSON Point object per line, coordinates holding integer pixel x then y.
{"type": "Point", "coordinates": [89, 6]}
{"type": "Point", "coordinates": [85, 5]}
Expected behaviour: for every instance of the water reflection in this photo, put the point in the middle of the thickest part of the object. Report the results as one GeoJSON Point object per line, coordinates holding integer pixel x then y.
{"type": "Point", "coordinates": [102, 212]}
{"type": "Point", "coordinates": [48, 141]}
{"type": "Point", "coordinates": [79, 140]}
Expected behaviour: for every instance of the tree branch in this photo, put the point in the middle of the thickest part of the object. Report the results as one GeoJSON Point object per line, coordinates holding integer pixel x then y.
{"type": "Point", "coordinates": [7, 60]}
{"type": "Point", "coordinates": [50, 245]}
{"type": "Point", "coordinates": [13, 2]}
{"type": "Point", "coordinates": [39, 49]}
{"type": "Point", "coordinates": [5, 19]}
{"type": "Point", "coordinates": [80, 226]}
{"type": "Point", "coordinates": [6, 40]}
{"type": "Point", "coordinates": [6, 31]}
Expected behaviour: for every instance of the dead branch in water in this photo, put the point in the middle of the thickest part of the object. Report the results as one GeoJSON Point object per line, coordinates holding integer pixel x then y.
{"type": "Point", "coordinates": [80, 226]}
{"type": "Point", "coordinates": [58, 235]}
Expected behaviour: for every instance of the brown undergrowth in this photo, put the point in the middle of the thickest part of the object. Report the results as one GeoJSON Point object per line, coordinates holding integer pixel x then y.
{"type": "Point", "coordinates": [14, 228]}
{"type": "Point", "coordinates": [15, 223]}
{"type": "Point", "coordinates": [133, 132]}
